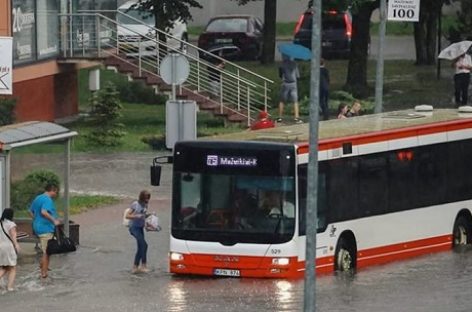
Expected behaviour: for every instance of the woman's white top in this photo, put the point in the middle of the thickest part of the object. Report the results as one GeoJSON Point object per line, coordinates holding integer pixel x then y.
{"type": "Point", "coordinates": [465, 60]}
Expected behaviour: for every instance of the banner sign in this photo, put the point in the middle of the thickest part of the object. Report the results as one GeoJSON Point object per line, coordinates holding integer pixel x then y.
{"type": "Point", "coordinates": [6, 65]}
{"type": "Point", "coordinates": [403, 10]}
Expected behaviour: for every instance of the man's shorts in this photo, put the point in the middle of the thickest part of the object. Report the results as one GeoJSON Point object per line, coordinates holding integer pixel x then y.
{"type": "Point", "coordinates": [43, 239]}
{"type": "Point", "coordinates": [288, 93]}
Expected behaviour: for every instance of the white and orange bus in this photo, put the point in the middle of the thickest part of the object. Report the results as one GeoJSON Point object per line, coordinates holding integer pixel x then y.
{"type": "Point", "coordinates": [390, 186]}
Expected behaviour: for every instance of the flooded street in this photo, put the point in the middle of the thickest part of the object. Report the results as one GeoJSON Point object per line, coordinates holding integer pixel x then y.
{"type": "Point", "coordinates": [97, 277]}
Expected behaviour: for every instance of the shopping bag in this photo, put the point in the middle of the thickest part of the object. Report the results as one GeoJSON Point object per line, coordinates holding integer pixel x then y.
{"type": "Point", "coordinates": [60, 243]}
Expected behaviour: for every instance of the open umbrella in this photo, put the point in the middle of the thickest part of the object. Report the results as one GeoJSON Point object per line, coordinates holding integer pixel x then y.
{"type": "Point", "coordinates": [295, 51]}
{"type": "Point", "coordinates": [455, 50]}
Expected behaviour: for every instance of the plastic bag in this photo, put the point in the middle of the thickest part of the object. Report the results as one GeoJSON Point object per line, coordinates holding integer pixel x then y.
{"type": "Point", "coordinates": [152, 223]}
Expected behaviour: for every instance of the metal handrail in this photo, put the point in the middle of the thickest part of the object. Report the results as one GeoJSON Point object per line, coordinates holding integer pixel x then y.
{"type": "Point", "coordinates": [240, 90]}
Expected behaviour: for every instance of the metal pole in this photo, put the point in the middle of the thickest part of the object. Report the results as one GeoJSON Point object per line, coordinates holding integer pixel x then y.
{"type": "Point", "coordinates": [380, 58]}
{"type": "Point", "coordinates": [312, 174]}
{"type": "Point", "coordinates": [66, 186]}
{"type": "Point", "coordinates": [438, 69]}
{"type": "Point", "coordinates": [172, 55]}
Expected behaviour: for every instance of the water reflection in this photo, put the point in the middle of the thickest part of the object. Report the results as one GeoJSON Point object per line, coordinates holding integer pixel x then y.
{"type": "Point", "coordinates": [177, 296]}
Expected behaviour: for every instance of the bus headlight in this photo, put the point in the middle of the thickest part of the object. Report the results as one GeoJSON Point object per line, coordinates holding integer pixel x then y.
{"type": "Point", "coordinates": [175, 256]}
{"type": "Point", "coordinates": [280, 261]}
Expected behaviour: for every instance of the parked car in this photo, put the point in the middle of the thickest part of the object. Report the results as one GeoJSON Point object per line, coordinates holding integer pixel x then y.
{"type": "Point", "coordinates": [135, 27]}
{"type": "Point", "coordinates": [233, 37]}
{"type": "Point", "coordinates": [336, 32]}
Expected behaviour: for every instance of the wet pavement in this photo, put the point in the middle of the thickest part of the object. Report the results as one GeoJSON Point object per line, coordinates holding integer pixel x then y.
{"type": "Point", "coordinates": [97, 277]}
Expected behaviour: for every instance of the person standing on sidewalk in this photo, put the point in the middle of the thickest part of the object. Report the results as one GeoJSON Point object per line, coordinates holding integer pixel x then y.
{"type": "Point", "coordinates": [45, 219]}
{"type": "Point", "coordinates": [8, 247]}
{"type": "Point", "coordinates": [289, 74]}
{"type": "Point", "coordinates": [462, 66]}
{"type": "Point", "coordinates": [137, 215]}
{"type": "Point", "coordinates": [324, 90]}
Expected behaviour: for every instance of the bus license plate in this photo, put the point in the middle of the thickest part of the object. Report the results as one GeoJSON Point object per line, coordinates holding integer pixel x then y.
{"type": "Point", "coordinates": [226, 272]}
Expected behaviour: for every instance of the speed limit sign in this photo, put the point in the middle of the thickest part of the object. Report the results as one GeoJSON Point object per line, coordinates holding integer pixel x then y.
{"type": "Point", "coordinates": [404, 10]}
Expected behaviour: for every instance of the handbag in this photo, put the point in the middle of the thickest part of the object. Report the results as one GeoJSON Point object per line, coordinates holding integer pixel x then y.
{"type": "Point", "coordinates": [11, 240]}
{"type": "Point", "coordinates": [60, 243]}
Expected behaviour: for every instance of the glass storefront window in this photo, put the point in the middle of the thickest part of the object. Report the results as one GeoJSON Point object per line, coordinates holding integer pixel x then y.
{"type": "Point", "coordinates": [24, 31]}
{"type": "Point", "coordinates": [48, 26]}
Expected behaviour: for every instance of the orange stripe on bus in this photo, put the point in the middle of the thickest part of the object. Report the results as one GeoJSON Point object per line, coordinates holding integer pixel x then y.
{"type": "Point", "coordinates": [252, 266]}
{"type": "Point", "coordinates": [387, 135]}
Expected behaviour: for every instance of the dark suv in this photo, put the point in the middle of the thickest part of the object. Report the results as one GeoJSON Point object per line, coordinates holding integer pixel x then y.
{"type": "Point", "coordinates": [336, 31]}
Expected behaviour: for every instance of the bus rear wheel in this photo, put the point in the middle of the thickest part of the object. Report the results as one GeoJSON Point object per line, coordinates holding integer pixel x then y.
{"type": "Point", "coordinates": [462, 232]}
{"type": "Point", "coordinates": [345, 257]}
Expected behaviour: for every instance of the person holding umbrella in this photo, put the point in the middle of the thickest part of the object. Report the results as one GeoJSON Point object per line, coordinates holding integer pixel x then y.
{"type": "Point", "coordinates": [462, 66]}
{"type": "Point", "coordinates": [289, 74]}
{"type": "Point", "coordinates": [462, 63]}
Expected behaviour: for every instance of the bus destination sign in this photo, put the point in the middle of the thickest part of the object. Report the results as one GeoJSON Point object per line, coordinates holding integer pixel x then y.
{"type": "Point", "coordinates": [231, 161]}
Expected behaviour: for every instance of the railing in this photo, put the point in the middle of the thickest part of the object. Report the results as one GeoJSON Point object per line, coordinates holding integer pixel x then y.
{"type": "Point", "coordinates": [240, 91]}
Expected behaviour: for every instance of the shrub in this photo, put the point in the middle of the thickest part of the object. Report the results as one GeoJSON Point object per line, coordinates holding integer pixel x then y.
{"type": "Point", "coordinates": [7, 111]}
{"type": "Point", "coordinates": [105, 111]}
{"type": "Point", "coordinates": [24, 191]}
{"type": "Point", "coordinates": [157, 142]}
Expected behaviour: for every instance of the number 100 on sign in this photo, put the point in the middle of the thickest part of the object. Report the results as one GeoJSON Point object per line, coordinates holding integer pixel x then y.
{"type": "Point", "coordinates": [403, 10]}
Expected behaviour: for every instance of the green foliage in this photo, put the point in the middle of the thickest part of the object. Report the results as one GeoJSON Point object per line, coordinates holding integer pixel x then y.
{"type": "Point", "coordinates": [7, 111]}
{"type": "Point", "coordinates": [462, 30]}
{"type": "Point", "coordinates": [24, 191]}
{"type": "Point", "coordinates": [104, 114]}
{"type": "Point", "coordinates": [129, 91]}
{"type": "Point", "coordinates": [167, 11]}
{"type": "Point", "coordinates": [156, 142]}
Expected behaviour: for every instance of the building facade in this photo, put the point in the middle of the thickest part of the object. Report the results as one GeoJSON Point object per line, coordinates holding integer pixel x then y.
{"type": "Point", "coordinates": [45, 84]}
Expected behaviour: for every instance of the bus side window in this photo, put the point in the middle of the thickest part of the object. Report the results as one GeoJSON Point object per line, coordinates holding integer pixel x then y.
{"type": "Point", "coordinates": [373, 185]}
{"type": "Point", "coordinates": [430, 171]}
{"type": "Point", "coordinates": [342, 189]}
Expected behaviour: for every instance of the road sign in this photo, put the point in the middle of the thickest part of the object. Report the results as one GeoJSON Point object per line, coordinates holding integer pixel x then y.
{"type": "Point", "coordinates": [174, 69]}
{"type": "Point", "coordinates": [404, 10]}
{"type": "Point", "coordinates": [6, 65]}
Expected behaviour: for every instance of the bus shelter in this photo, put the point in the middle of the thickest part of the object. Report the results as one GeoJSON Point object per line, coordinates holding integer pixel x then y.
{"type": "Point", "coordinates": [30, 133]}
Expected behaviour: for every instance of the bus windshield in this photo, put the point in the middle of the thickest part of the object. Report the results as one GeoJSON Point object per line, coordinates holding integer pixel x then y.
{"type": "Point", "coordinates": [234, 195]}
{"type": "Point", "coordinates": [256, 209]}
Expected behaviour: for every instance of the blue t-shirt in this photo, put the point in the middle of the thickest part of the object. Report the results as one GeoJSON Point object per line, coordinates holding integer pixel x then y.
{"type": "Point", "coordinates": [41, 225]}
{"type": "Point", "coordinates": [137, 208]}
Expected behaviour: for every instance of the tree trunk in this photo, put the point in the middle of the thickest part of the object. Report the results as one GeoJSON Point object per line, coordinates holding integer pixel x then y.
{"type": "Point", "coordinates": [425, 32]}
{"type": "Point", "coordinates": [356, 82]}
{"type": "Point", "coordinates": [268, 47]}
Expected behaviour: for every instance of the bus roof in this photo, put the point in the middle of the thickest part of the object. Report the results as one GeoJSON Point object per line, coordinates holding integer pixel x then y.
{"type": "Point", "coordinates": [382, 126]}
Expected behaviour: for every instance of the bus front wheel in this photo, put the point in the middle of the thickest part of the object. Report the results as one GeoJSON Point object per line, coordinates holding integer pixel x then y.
{"type": "Point", "coordinates": [345, 256]}
{"type": "Point", "coordinates": [462, 232]}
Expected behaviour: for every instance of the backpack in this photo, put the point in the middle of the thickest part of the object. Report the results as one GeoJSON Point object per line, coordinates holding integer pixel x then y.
{"type": "Point", "coordinates": [126, 222]}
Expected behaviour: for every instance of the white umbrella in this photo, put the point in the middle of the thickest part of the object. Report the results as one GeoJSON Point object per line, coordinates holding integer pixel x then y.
{"type": "Point", "coordinates": [455, 50]}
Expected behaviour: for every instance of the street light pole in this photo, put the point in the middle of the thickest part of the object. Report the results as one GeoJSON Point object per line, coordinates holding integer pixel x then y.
{"type": "Point", "coordinates": [380, 58]}
{"type": "Point", "coordinates": [312, 174]}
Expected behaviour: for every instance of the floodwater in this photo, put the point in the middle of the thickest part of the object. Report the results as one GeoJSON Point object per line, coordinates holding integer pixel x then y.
{"type": "Point", "coordinates": [97, 278]}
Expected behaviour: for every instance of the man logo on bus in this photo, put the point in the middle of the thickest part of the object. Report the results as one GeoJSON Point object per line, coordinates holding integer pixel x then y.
{"type": "Point", "coordinates": [212, 160]}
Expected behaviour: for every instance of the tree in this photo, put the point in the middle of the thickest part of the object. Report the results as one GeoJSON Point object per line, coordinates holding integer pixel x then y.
{"type": "Point", "coordinates": [168, 11]}
{"type": "Point", "coordinates": [104, 114]}
{"type": "Point", "coordinates": [270, 20]}
{"type": "Point", "coordinates": [356, 81]}
{"type": "Point", "coordinates": [425, 31]}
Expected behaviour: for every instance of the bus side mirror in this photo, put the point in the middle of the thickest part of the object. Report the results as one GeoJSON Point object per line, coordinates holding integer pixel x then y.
{"type": "Point", "coordinates": [155, 175]}
{"type": "Point", "coordinates": [156, 168]}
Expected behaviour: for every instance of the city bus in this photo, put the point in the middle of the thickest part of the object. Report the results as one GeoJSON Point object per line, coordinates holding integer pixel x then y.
{"type": "Point", "coordinates": [390, 186]}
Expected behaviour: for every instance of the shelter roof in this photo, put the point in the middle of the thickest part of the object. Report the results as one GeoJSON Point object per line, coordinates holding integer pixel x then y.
{"type": "Point", "coordinates": [32, 132]}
